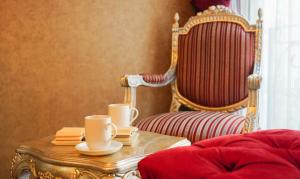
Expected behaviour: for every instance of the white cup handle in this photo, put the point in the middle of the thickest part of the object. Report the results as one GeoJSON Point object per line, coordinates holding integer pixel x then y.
{"type": "Point", "coordinates": [115, 130]}
{"type": "Point", "coordinates": [136, 114]}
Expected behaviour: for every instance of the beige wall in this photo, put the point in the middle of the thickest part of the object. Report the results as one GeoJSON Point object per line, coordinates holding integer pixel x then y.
{"type": "Point", "coordinates": [61, 60]}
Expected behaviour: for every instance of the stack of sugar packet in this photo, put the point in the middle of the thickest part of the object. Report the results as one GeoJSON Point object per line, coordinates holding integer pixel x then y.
{"type": "Point", "coordinates": [69, 136]}
{"type": "Point", "coordinates": [128, 135]}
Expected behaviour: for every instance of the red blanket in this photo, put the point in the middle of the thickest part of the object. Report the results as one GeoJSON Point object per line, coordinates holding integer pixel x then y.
{"type": "Point", "coordinates": [269, 154]}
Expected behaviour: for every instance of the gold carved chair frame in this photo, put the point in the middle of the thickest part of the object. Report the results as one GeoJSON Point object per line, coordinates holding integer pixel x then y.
{"type": "Point", "coordinates": [213, 14]}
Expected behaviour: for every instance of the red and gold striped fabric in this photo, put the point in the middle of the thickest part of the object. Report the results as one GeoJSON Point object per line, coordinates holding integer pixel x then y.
{"type": "Point", "coordinates": [214, 61]}
{"type": "Point", "coordinates": [194, 125]}
{"type": "Point", "coordinates": [153, 78]}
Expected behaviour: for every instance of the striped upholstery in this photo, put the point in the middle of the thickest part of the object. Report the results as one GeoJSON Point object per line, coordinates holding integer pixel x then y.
{"type": "Point", "coordinates": [214, 61]}
{"type": "Point", "coordinates": [152, 78]}
{"type": "Point", "coordinates": [193, 125]}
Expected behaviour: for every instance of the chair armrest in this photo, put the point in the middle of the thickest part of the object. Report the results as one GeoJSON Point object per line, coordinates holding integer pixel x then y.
{"type": "Point", "coordinates": [153, 78]}
{"type": "Point", "coordinates": [131, 82]}
{"type": "Point", "coordinates": [254, 81]}
{"type": "Point", "coordinates": [149, 80]}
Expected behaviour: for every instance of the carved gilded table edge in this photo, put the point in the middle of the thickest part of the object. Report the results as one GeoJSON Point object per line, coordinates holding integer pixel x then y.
{"type": "Point", "coordinates": [25, 160]}
{"type": "Point", "coordinates": [30, 160]}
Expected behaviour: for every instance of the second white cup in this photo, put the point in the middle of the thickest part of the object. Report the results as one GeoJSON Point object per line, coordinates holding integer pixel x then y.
{"type": "Point", "coordinates": [122, 114]}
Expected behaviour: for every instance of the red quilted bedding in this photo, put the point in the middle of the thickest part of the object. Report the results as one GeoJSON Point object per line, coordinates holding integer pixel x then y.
{"type": "Point", "coordinates": [269, 154]}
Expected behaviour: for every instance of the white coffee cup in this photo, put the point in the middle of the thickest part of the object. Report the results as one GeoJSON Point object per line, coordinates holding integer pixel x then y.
{"type": "Point", "coordinates": [99, 131]}
{"type": "Point", "coordinates": [121, 114]}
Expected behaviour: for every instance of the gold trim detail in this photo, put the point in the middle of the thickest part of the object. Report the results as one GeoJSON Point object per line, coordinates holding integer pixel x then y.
{"type": "Point", "coordinates": [46, 175]}
{"type": "Point", "coordinates": [175, 104]}
{"type": "Point", "coordinates": [217, 14]}
{"type": "Point", "coordinates": [14, 163]}
{"type": "Point", "coordinates": [20, 163]}
{"type": "Point", "coordinates": [25, 162]}
{"type": "Point", "coordinates": [81, 173]}
{"type": "Point", "coordinates": [230, 108]}
{"type": "Point", "coordinates": [249, 123]}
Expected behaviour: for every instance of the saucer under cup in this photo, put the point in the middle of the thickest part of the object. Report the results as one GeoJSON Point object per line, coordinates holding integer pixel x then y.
{"type": "Point", "coordinates": [114, 147]}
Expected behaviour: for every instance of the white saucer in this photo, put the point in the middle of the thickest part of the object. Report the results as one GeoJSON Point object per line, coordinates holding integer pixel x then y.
{"type": "Point", "coordinates": [115, 146]}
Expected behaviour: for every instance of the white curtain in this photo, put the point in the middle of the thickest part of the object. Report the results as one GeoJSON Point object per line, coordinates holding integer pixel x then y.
{"type": "Point", "coordinates": [280, 92]}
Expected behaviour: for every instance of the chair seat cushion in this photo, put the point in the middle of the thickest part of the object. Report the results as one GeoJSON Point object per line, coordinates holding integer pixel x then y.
{"type": "Point", "coordinates": [194, 125]}
{"type": "Point", "coordinates": [270, 154]}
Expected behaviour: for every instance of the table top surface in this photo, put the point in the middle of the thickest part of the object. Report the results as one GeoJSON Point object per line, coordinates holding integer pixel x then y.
{"type": "Point", "coordinates": [128, 156]}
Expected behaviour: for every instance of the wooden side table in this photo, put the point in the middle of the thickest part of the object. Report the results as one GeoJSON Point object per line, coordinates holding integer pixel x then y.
{"type": "Point", "coordinates": [41, 159]}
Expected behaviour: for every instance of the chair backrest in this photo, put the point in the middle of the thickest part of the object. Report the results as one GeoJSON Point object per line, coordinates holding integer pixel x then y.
{"type": "Point", "coordinates": [213, 54]}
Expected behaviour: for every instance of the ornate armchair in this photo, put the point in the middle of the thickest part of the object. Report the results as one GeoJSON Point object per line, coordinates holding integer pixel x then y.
{"type": "Point", "coordinates": [214, 73]}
